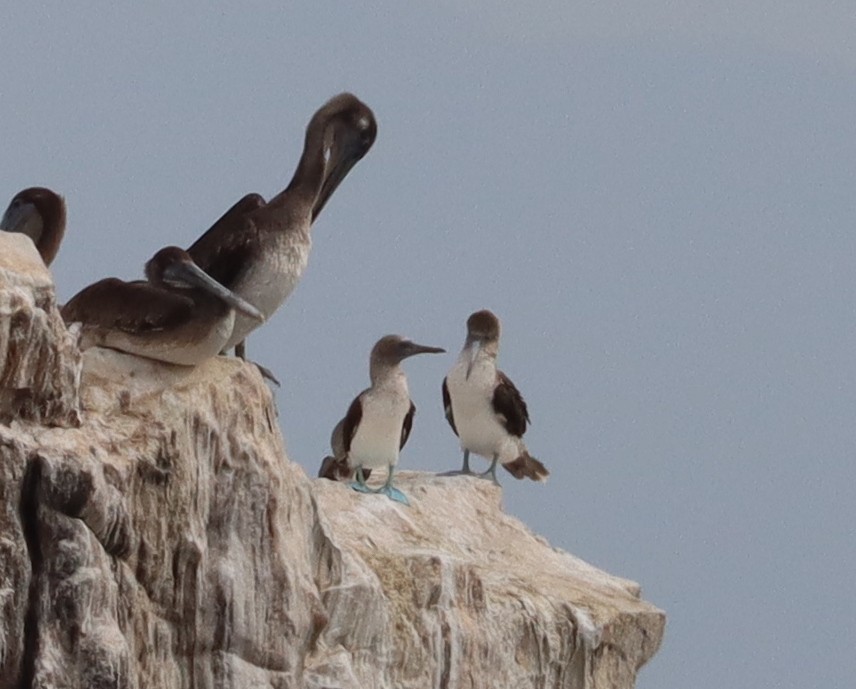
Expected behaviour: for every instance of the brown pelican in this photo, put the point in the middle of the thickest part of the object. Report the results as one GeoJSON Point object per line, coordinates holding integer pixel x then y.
{"type": "Point", "coordinates": [38, 213]}
{"type": "Point", "coordinates": [484, 408]}
{"type": "Point", "coordinates": [379, 419]}
{"type": "Point", "coordinates": [180, 315]}
{"type": "Point", "coordinates": [259, 250]}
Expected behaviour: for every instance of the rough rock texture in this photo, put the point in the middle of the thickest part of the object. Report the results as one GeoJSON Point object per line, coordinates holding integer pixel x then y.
{"type": "Point", "coordinates": [451, 592]}
{"type": "Point", "coordinates": [39, 362]}
{"type": "Point", "coordinates": [153, 534]}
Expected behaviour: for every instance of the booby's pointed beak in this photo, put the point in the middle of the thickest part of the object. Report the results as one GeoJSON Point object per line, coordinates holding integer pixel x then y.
{"type": "Point", "coordinates": [18, 217]}
{"type": "Point", "coordinates": [413, 349]}
{"type": "Point", "coordinates": [342, 157]}
{"type": "Point", "coordinates": [191, 274]}
{"type": "Point", "coordinates": [475, 348]}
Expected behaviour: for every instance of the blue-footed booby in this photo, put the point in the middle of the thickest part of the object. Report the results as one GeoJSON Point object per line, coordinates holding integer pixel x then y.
{"type": "Point", "coordinates": [180, 315]}
{"type": "Point", "coordinates": [378, 421]}
{"type": "Point", "coordinates": [484, 408]}
{"type": "Point", "coordinates": [38, 213]}
{"type": "Point", "coordinates": [259, 249]}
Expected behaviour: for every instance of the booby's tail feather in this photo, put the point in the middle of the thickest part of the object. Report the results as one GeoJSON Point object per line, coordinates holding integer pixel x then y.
{"type": "Point", "coordinates": [526, 466]}
{"type": "Point", "coordinates": [331, 468]}
{"type": "Point", "coordinates": [338, 469]}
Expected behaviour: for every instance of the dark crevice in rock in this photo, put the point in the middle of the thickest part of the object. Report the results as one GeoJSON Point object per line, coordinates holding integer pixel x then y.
{"type": "Point", "coordinates": [29, 509]}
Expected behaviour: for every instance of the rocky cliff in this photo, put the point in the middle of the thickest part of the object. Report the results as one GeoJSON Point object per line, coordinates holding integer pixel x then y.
{"type": "Point", "coordinates": [153, 534]}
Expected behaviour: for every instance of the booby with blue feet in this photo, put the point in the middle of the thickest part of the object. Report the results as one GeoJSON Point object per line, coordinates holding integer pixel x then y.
{"type": "Point", "coordinates": [484, 408]}
{"type": "Point", "coordinates": [379, 420]}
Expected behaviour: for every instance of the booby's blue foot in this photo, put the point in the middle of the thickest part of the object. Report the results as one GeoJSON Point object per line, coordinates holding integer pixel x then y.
{"type": "Point", "coordinates": [491, 473]}
{"type": "Point", "coordinates": [395, 494]}
{"type": "Point", "coordinates": [360, 484]}
{"type": "Point", "coordinates": [389, 491]}
{"type": "Point", "coordinates": [465, 470]}
{"type": "Point", "coordinates": [488, 476]}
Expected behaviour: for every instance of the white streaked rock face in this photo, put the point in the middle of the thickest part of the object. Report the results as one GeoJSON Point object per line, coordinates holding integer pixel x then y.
{"type": "Point", "coordinates": [452, 592]}
{"type": "Point", "coordinates": [164, 540]}
{"type": "Point", "coordinates": [39, 361]}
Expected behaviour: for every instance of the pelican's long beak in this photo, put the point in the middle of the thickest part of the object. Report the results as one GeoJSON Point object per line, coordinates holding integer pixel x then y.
{"type": "Point", "coordinates": [192, 274]}
{"type": "Point", "coordinates": [18, 219]}
{"type": "Point", "coordinates": [343, 156]}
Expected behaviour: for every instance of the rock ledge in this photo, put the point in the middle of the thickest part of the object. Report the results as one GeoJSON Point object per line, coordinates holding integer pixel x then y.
{"type": "Point", "coordinates": [153, 534]}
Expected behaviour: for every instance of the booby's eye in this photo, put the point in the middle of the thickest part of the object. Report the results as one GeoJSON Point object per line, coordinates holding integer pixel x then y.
{"type": "Point", "coordinates": [363, 123]}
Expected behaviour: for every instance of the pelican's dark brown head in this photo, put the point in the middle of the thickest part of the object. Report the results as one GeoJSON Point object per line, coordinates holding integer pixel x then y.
{"type": "Point", "coordinates": [482, 326]}
{"type": "Point", "coordinates": [350, 129]}
{"type": "Point", "coordinates": [173, 268]}
{"type": "Point", "coordinates": [350, 119]}
{"type": "Point", "coordinates": [161, 269]}
{"type": "Point", "coordinates": [38, 213]}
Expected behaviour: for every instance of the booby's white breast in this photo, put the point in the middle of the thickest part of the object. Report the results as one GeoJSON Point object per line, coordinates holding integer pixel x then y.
{"type": "Point", "coordinates": [376, 442]}
{"type": "Point", "coordinates": [479, 429]}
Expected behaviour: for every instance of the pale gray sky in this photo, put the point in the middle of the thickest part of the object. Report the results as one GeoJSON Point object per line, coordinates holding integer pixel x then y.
{"type": "Point", "coordinates": [655, 197]}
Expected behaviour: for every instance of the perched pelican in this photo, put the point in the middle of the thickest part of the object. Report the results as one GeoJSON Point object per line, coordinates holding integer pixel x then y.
{"type": "Point", "coordinates": [180, 315]}
{"type": "Point", "coordinates": [259, 250]}
{"type": "Point", "coordinates": [38, 213]}
{"type": "Point", "coordinates": [378, 421]}
{"type": "Point", "coordinates": [484, 408]}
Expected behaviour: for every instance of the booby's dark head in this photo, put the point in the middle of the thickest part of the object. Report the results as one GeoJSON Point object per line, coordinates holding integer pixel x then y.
{"type": "Point", "coordinates": [173, 268]}
{"type": "Point", "coordinates": [483, 326]}
{"type": "Point", "coordinates": [350, 130]}
{"type": "Point", "coordinates": [38, 213]}
{"type": "Point", "coordinates": [391, 350]}
{"type": "Point", "coordinates": [482, 329]}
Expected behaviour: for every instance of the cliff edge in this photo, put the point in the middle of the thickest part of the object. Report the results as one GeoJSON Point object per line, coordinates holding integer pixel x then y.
{"type": "Point", "coordinates": [153, 534]}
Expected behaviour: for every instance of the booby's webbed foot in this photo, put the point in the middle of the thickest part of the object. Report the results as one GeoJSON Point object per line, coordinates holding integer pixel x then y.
{"type": "Point", "coordinates": [458, 472]}
{"type": "Point", "coordinates": [394, 494]}
{"type": "Point", "coordinates": [360, 484]}
{"type": "Point", "coordinates": [488, 476]}
{"type": "Point", "coordinates": [386, 489]}
{"type": "Point", "coordinates": [464, 470]}
{"type": "Point", "coordinates": [490, 473]}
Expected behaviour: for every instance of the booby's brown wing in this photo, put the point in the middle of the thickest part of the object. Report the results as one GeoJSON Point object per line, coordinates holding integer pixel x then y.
{"type": "Point", "coordinates": [407, 425]}
{"type": "Point", "coordinates": [351, 421]}
{"type": "Point", "coordinates": [447, 406]}
{"type": "Point", "coordinates": [509, 406]}
{"type": "Point", "coordinates": [337, 441]}
{"type": "Point", "coordinates": [335, 467]}
{"type": "Point", "coordinates": [223, 250]}
{"type": "Point", "coordinates": [133, 307]}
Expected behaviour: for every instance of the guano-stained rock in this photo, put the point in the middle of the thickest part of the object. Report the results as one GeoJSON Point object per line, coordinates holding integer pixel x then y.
{"type": "Point", "coordinates": [154, 535]}
{"type": "Point", "coordinates": [39, 361]}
